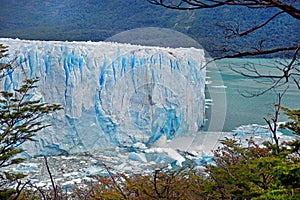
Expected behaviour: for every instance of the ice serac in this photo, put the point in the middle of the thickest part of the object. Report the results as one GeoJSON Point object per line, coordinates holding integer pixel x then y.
{"type": "Point", "coordinates": [112, 94]}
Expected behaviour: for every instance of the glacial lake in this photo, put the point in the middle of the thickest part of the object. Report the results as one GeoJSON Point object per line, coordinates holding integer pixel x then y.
{"type": "Point", "coordinates": [228, 87]}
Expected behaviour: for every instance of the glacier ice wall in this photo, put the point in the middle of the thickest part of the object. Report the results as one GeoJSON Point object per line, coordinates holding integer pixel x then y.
{"type": "Point", "coordinates": [112, 94]}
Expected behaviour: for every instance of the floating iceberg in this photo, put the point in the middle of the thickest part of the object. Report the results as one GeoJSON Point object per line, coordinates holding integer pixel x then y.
{"type": "Point", "coordinates": [113, 94]}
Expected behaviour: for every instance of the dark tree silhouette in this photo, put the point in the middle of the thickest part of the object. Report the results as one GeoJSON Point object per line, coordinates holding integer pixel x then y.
{"type": "Point", "coordinates": [290, 7]}
{"type": "Point", "coordinates": [289, 71]}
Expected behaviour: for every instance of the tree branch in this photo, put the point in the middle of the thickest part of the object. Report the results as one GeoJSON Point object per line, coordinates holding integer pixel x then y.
{"type": "Point", "coordinates": [275, 81]}
{"type": "Point", "coordinates": [274, 122]}
{"type": "Point", "coordinates": [206, 4]}
{"type": "Point", "coordinates": [258, 52]}
{"type": "Point", "coordinates": [246, 32]}
{"type": "Point", "coordinates": [51, 178]}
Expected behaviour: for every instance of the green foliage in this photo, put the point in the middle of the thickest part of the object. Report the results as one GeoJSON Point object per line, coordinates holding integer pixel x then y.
{"type": "Point", "coordinates": [294, 116]}
{"type": "Point", "coordinates": [3, 66]}
{"type": "Point", "coordinates": [179, 184]}
{"type": "Point", "coordinates": [7, 194]}
{"type": "Point", "coordinates": [20, 119]}
{"type": "Point", "coordinates": [3, 50]}
{"type": "Point", "coordinates": [254, 172]}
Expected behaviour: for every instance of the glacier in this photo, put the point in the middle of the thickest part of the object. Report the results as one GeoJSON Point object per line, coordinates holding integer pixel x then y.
{"type": "Point", "coordinates": [113, 94]}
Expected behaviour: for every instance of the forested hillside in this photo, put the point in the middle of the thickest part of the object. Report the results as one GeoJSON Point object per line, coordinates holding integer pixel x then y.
{"type": "Point", "coordinates": [97, 20]}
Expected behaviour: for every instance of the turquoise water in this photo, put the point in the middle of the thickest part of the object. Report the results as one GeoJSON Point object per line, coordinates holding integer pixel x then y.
{"type": "Point", "coordinates": [237, 109]}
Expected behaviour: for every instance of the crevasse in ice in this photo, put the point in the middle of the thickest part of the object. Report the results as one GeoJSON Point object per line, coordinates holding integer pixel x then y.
{"type": "Point", "coordinates": [112, 94]}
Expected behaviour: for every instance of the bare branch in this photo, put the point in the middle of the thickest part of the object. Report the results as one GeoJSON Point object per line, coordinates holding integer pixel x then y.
{"type": "Point", "coordinates": [51, 178]}
{"type": "Point", "coordinates": [206, 4]}
{"type": "Point", "coordinates": [273, 86]}
{"type": "Point", "coordinates": [185, 4]}
{"type": "Point", "coordinates": [273, 122]}
{"type": "Point", "coordinates": [297, 82]}
{"type": "Point", "coordinates": [116, 184]}
{"type": "Point", "coordinates": [258, 52]}
{"type": "Point", "coordinates": [39, 190]}
{"type": "Point", "coordinates": [246, 32]}
{"type": "Point", "coordinates": [288, 8]}
{"type": "Point", "coordinates": [19, 190]}
{"type": "Point", "coordinates": [273, 80]}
